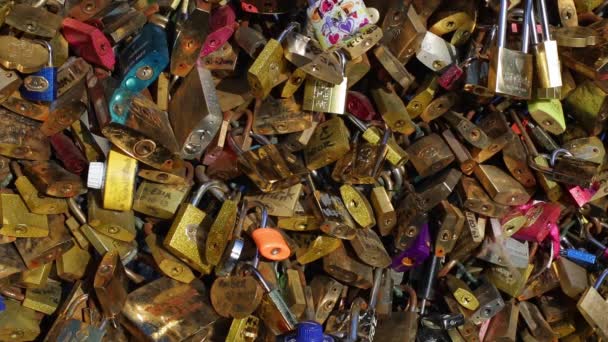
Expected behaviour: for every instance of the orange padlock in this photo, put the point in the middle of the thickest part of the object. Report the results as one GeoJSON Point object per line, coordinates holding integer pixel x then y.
{"type": "Point", "coordinates": [269, 241]}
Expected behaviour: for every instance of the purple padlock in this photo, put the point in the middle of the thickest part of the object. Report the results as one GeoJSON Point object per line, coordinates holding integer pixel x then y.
{"type": "Point", "coordinates": [415, 254]}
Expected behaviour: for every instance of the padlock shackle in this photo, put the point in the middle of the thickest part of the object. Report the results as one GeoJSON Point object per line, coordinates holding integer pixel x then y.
{"type": "Point", "coordinates": [556, 153]}
{"type": "Point", "coordinates": [76, 210]}
{"type": "Point", "coordinates": [531, 19]}
{"type": "Point", "coordinates": [203, 188]}
{"type": "Point", "coordinates": [412, 303]}
{"type": "Point", "coordinates": [69, 312]}
{"type": "Point", "coordinates": [256, 274]}
{"type": "Point", "coordinates": [293, 26]}
{"type": "Point", "coordinates": [355, 315]}
{"type": "Point", "coordinates": [528, 27]}
{"type": "Point", "coordinates": [501, 39]}
{"type": "Point", "coordinates": [600, 279]}
{"type": "Point", "coordinates": [544, 19]}
{"type": "Point", "coordinates": [373, 297]}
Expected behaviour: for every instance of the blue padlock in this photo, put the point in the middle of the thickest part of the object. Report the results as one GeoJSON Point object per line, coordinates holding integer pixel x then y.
{"type": "Point", "coordinates": [306, 331]}
{"type": "Point", "coordinates": [41, 85]}
{"type": "Point", "coordinates": [145, 57]}
{"type": "Point", "coordinates": [580, 257]}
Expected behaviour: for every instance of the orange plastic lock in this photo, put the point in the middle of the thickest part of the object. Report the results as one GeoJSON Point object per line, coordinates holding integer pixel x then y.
{"type": "Point", "coordinates": [271, 244]}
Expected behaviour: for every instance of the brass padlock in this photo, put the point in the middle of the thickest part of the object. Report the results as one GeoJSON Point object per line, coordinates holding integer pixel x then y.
{"type": "Point", "coordinates": [18, 321]}
{"type": "Point", "coordinates": [358, 206]}
{"type": "Point", "coordinates": [72, 265]}
{"type": "Point", "coordinates": [196, 116]}
{"type": "Point", "coordinates": [18, 221]}
{"type": "Point", "coordinates": [340, 265]}
{"type": "Point", "coordinates": [159, 200]}
{"type": "Point", "coordinates": [36, 277]}
{"type": "Point", "coordinates": [269, 67]}
{"type": "Point", "coordinates": [165, 308]}
{"type": "Point", "coordinates": [45, 299]}
{"type": "Point", "coordinates": [36, 202]}
{"type": "Point", "coordinates": [221, 230]}
{"type": "Point", "coordinates": [592, 306]}
{"type": "Point", "coordinates": [403, 31]}
{"type": "Point", "coordinates": [369, 248]}
{"type": "Point", "coordinates": [21, 138]}
{"type": "Point", "coordinates": [430, 155]}
{"type": "Point", "coordinates": [110, 284]}
{"type": "Point", "coordinates": [329, 143]}
{"type": "Point", "coordinates": [52, 179]}
{"type": "Point", "coordinates": [320, 96]}
{"type": "Point", "coordinates": [325, 294]}
{"type": "Point", "coordinates": [394, 67]}
{"type": "Point", "coordinates": [184, 239]}
{"type": "Point", "coordinates": [393, 110]}
{"type": "Point", "coordinates": [36, 21]}
{"type": "Point", "coordinates": [119, 225]}
{"type": "Point", "coordinates": [502, 188]}
{"type": "Point", "coordinates": [280, 116]}
{"type": "Point", "coordinates": [38, 251]}
{"type": "Point", "coordinates": [312, 248]}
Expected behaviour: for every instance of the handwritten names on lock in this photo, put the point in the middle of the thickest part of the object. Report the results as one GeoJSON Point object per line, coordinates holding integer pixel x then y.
{"type": "Point", "coordinates": [236, 296]}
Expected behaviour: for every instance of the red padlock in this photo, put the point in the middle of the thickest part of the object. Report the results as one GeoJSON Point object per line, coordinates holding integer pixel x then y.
{"type": "Point", "coordinates": [89, 43]}
{"type": "Point", "coordinates": [360, 106]}
{"type": "Point", "coordinates": [216, 39]}
{"type": "Point", "coordinates": [68, 153]}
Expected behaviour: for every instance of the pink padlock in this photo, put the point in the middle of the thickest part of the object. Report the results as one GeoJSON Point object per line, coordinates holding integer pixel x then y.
{"type": "Point", "coordinates": [216, 39]}
{"type": "Point", "coordinates": [539, 219]}
{"type": "Point", "coordinates": [223, 16]}
{"type": "Point", "coordinates": [583, 195]}
{"type": "Point", "coordinates": [89, 43]}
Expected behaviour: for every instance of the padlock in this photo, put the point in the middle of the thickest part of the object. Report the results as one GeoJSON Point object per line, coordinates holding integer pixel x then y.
{"type": "Point", "coordinates": [461, 292]}
{"type": "Point", "coordinates": [510, 71]}
{"type": "Point", "coordinates": [18, 321]}
{"type": "Point", "coordinates": [394, 67]}
{"type": "Point", "coordinates": [572, 277]}
{"type": "Point", "coordinates": [66, 151]}
{"type": "Point", "coordinates": [269, 67]}
{"type": "Point", "coordinates": [404, 31]}
{"type": "Point", "coordinates": [87, 143]}
{"type": "Point", "coordinates": [41, 85]}
{"type": "Point", "coordinates": [501, 187]}
{"type": "Point", "coordinates": [282, 203]}
{"type": "Point", "coordinates": [22, 138]}
{"type": "Point", "coordinates": [9, 83]}
{"type": "Point", "coordinates": [551, 188]}
{"type": "Point", "coordinates": [35, 21]}
{"type": "Point", "coordinates": [591, 305]}
{"type": "Point", "coordinates": [271, 166]}
{"type": "Point", "coordinates": [167, 263]}
{"type": "Point", "coordinates": [123, 23]}
{"type": "Point", "coordinates": [395, 155]}
{"type": "Point", "coordinates": [270, 243]}
{"type": "Point", "coordinates": [227, 291]}
{"type": "Point", "coordinates": [159, 200]}
{"type": "Point", "coordinates": [503, 326]}
{"type": "Point", "coordinates": [72, 264]}
{"type": "Point", "coordinates": [386, 216]}
{"type": "Point", "coordinates": [535, 321]}
{"type": "Point", "coordinates": [439, 106]}
{"type": "Point", "coordinates": [586, 104]}
{"type": "Point", "coordinates": [341, 265]}
{"type": "Point", "coordinates": [316, 247]}
{"type": "Point", "coordinates": [435, 53]}
{"type": "Point", "coordinates": [118, 225]}
{"type": "Point", "coordinates": [45, 299]}
{"type": "Point", "coordinates": [22, 55]}
{"type": "Point", "coordinates": [189, 40]}
{"type": "Point", "coordinates": [462, 154]}
{"type": "Point", "coordinates": [515, 158]}
{"type": "Point", "coordinates": [280, 116]}
{"type": "Point", "coordinates": [433, 191]}
{"type": "Point", "coordinates": [361, 165]}
{"type": "Point", "coordinates": [195, 113]}
{"type": "Point", "coordinates": [393, 111]}
{"type": "Point", "coordinates": [451, 224]}
{"type": "Point", "coordinates": [35, 201]}
{"type": "Point", "coordinates": [335, 219]}
{"type": "Point", "coordinates": [116, 178]}
{"type": "Point", "coordinates": [18, 221]}
{"type": "Point", "coordinates": [564, 168]}
{"type": "Point", "coordinates": [328, 144]}
{"type": "Point", "coordinates": [37, 277]}
{"type": "Point", "coordinates": [320, 96]}
{"type": "Point", "coordinates": [155, 308]}
{"type": "Point", "coordinates": [545, 51]}
{"type": "Point", "coordinates": [429, 155]}
{"type": "Point", "coordinates": [89, 43]}
{"type": "Point", "coordinates": [468, 130]}
{"type": "Point", "coordinates": [102, 243]}
{"type": "Point", "coordinates": [416, 253]}
{"type": "Point", "coordinates": [138, 127]}
{"type": "Point", "coordinates": [308, 56]}
{"type": "Point", "coordinates": [243, 329]}
{"type": "Point", "coordinates": [144, 58]}
{"type": "Point", "coordinates": [276, 298]}
{"type": "Point", "coordinates": [110, 285]}
{"type": "Point", "coordinates": [184, 238]}
{"type": "Point", "coordinates": [423, 97]}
